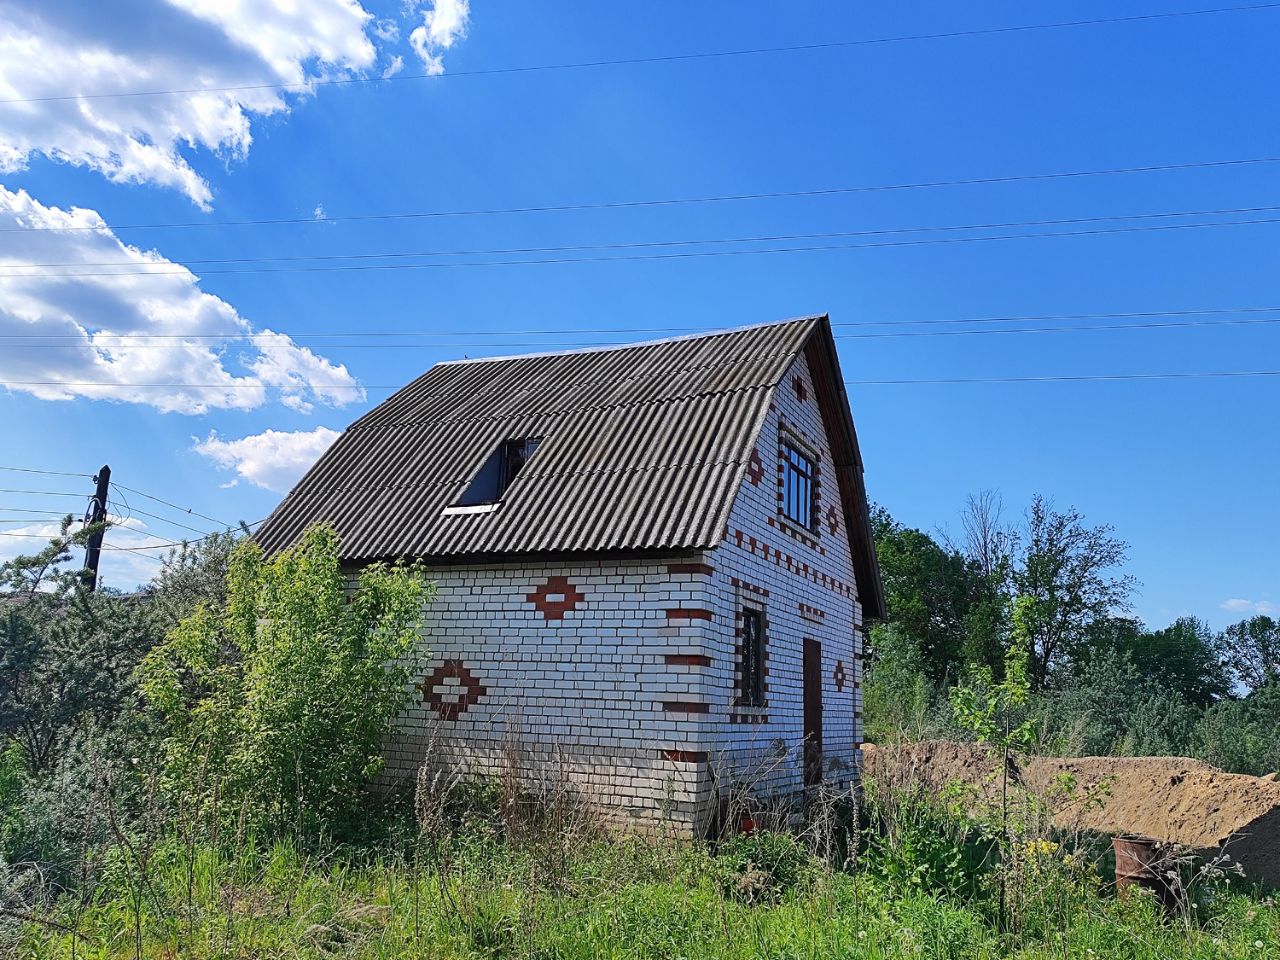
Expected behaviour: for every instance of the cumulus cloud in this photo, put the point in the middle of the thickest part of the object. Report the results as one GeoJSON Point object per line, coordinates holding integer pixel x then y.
{"type": "Point", "coordinates": [54, 53]}
{"type": "Point", "coordinates": [129, 556]}
{"type": "Point", "coordinates": [443, 22]}
{"type": "Point", "coordinates": [84, 332]}
{"type": "Point", "coordinates": [273, 459]}
{"type": "Point", "coordinates": [1264, 607]}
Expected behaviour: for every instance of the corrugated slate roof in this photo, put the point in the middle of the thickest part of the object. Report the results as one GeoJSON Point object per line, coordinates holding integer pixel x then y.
{"type": "Point", "coordinates": [643, 448]}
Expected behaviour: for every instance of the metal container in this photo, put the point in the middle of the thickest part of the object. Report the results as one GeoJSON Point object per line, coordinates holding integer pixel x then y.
{"type": "Point", "coordinates": [1141, 862]}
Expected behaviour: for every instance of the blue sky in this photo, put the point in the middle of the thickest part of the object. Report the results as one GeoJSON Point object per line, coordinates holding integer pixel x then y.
{"type": "Point", "coordinates": [1184, 469]}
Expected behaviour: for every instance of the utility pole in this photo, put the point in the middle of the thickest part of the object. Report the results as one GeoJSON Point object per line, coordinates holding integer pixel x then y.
{"type": "Point", "coordinates": [96, 514]}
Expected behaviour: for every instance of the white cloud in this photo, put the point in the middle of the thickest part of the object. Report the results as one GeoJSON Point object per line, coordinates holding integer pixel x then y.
{"type": "Point", "coordinates": [93, 330]}
{"type": "Point", "coordinates": [392, 68]}
{"type": "Point", "coordinates": [442, 23]}
{"type": "Point", "coordinates": [273, 459]}
{"type": "Point", "coordinates": [54, 52]}
{"type": "Point", "coordinates": [1265, 607]}
{"type": "Point", "coordinates": [129, 555]}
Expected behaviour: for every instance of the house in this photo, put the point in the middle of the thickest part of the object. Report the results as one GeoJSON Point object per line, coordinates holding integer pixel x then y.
{"type": "Point", "coordinates": [654, 562]}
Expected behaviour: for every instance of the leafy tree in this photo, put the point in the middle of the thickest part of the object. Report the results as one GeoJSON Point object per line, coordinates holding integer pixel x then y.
{"type": "Point", "coordinates": [1064, 570]}
{"type": "Point", "coordinates": [68, 654]}
{"type": "Point", "coordinates": [193, 574]}
{"type": "Point", "coordinates": [276, 706]}
{"type": "Point", "coordinates": [1251, 650]}
{"type": "Point", "coordinates": [1240, 735]}
{"type": "Point", "coordinates": [930, 593]}
{"type": "Point", "coordinates": [1183, 657]}
{"type": "Point", "coordinates": [899, 700]}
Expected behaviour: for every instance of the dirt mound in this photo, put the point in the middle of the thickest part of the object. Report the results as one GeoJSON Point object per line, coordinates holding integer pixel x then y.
{"type": "Point", "coordinates": [1171, 799]}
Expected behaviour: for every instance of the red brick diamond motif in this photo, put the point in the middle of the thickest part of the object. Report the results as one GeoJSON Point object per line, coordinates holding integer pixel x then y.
{"type": "Point", "coordinates": [555, 598]}
{"type": "Point", "coordinates": [833, 518]}
{"type": "Point", "coordinates": [840, 677]}
{"type": "Point", "coordinates": [801, 393]}
{"type": "Point", "coordinates": [755, 468]}
{"type": "Point", "coordinates": [451, 689]}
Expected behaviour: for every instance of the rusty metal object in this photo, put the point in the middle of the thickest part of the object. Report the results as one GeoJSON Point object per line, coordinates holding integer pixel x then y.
{"type": "Point", "coordinates": [1141, 862]}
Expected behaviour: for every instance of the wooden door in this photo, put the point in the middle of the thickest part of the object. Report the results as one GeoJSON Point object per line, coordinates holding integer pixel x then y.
{"type": "Point", "coordinates": [812, 712]}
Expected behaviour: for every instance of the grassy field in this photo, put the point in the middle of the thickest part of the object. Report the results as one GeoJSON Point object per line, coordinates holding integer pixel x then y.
{"type": "Point", "coordinates": [924, 889]}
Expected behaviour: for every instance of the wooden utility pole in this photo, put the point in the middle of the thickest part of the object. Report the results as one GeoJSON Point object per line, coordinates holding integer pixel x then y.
{"type": "Point", "coordinates": [96, 514]}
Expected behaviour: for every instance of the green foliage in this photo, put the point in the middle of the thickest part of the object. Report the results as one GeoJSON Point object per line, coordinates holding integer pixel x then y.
{"type": "Point", "coordinates": [275, 707]}
{"type": "Point", "coordinates": [900, 701]}
{"type": "Point", "coordinates": [1241, 735]}
{"type": "Point", "coordinates": [761, 867]}
{"type": "Point", "coordinates": [1251, 650]}
{"type": "Point", "coordinates": [995, 710]}
{"type": "Point", "coordinates": [1183, 657]}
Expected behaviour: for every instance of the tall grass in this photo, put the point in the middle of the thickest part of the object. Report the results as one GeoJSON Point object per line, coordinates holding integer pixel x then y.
{"type": "Point", "coordinates": [501, 870]}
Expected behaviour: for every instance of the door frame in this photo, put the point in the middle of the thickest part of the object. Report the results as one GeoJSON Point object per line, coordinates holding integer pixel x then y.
{"type": "Point", "coordinates": [812, 726]}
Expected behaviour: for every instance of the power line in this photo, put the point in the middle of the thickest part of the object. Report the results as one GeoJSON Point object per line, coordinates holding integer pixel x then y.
{"type": "Point", "coordinates": [568, 331]}
{"type": "Point", "coordinates": [169, 503]}
{"type": "Point", "coordinates": [175, 523]}
{"type": "Point", "coordinates": [397, 386]}
{"type": "Point", "coordinates": [48, 473]}
{"type": "Point", "coordinates": [669, 201]}
{"type": "Point", "coordinates": [1070, 378]}
{"type": "Point", "coordinates": [682, 255]}
{"type": "Point", "coordinates": [651, 244]}
{"type": "Point", "coordinates": [667, 58]}
{"type": "Point", "coordinates": [48, 493]}
{"type": "Point", "coordinates": [882, 335]}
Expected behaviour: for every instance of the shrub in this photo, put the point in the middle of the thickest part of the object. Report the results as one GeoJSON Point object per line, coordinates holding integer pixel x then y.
{"type": "Point", "coordinates": [275, 707]}
{"type": "Point", "coordinates": [760, 867]}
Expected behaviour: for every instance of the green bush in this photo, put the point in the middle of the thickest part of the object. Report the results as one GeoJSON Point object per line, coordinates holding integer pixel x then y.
{"type": "Point", "coordinates": [760, 867]}
{"type": "Point", "coordinates": [275, 707]}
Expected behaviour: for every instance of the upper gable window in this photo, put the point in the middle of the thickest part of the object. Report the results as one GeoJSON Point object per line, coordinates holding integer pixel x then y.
{"type": "Point", "coordinates": [499, 471]}
{"type": "Point", "coordinates": [797, 486]}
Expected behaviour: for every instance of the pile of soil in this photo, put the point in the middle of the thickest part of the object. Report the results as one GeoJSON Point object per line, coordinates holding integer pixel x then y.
{"type": "Point", "coordinates": [1169, 799]}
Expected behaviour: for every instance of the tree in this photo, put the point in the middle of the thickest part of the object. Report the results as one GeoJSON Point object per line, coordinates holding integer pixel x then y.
{"type": "Point", "coordinates": [275, 707]}
{"type": "Point", "coordinates": [930, 592]}
{"type": "Point", "coordinates": [1240, 735]}
{"type": "Point", "coordinates": [1064, 570]}
{"type": "Point", "coordinates": [1183, 657]}
{"type": "Point", "coordinates": [1251, 650]}
{"type": "Point", "coordinates": [68, 654]}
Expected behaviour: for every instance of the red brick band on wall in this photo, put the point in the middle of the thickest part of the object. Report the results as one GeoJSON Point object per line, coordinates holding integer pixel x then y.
{"type": "Point", "coordinates": [704, 569]}
{"type": "Point", "coordinates": [688, 613]}
{"type": "Point", "coordinates": [686, 706]}
{"type": "Point", "coordinates": [687, 660]}
{"type": "Point", "coordinates": [685, 756]}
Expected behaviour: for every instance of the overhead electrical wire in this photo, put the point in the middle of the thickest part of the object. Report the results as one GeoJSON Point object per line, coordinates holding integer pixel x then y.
{"type": "Point", "coordinates": [882, 335]}
{"type": "Point", "coordinates": [666, 58]}
{"type": "Point", "coordinates": [581, 331]}
{"type": "Point", "coordinates": [633, 258]}
{"type": "Point", "coordinates": [169, 503]}
{"type": "Point", "coordinates": [667, 201]}
{"type": "Point", "coordinates": [646, 244]}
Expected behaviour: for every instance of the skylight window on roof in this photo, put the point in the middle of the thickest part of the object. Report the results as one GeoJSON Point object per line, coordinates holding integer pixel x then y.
{"type": "Point", "coordinates": [499, 471]}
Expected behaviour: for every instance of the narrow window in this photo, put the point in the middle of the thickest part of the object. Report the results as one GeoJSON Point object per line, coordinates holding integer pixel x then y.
{"type": "Point", "coordinates": [752, 693]}
{"type": "Point", "coordinates": [499, 471]}
{"type": "Point", "coordinates": [797, 487]}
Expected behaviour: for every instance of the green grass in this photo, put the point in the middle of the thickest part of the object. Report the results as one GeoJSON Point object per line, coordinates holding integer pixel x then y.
{"type": "Point", "coordinates": [482, 898]}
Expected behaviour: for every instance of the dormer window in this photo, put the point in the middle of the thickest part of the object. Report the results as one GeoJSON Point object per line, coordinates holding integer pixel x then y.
{"type": "Point", "coordinates": [499, 472]}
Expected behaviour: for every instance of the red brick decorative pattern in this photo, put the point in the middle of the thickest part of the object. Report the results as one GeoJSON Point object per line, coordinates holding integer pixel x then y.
{"type": "Point", "coordinates": [833, 518]}
{"type": "Point", "coordinates": [435, 689]}
{"type": "Point", "coordinates": [800, 569]}
{"type": "Point", "coordinates": [705, 569]}
{"type": "Point", "coordinates": [812, 613]}
{"type": "Point", "coordinates": [685, 706]}
{"type": "Point", "coordinates": [755, 468]}
{"type": "Point", "coordinates": [685, 756]}
{"type": "Point", "coordinates": [688, 613]}
{"type": "Point", "coordinates": [839, 676]}
{"type": "Point", "coordinates": [555, 598]}
{"type": "Point", "coordinates": [687, 660]}
{"type": "Point", "coordinates": [798, 385]}
{"type": "Point", "coordinates": [749, 587]}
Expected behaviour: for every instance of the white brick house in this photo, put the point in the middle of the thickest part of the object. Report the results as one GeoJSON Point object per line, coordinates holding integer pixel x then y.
{"type": "Point", "coordinates": [652, 563]}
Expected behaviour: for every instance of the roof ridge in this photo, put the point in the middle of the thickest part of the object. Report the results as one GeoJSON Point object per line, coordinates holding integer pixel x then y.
{"type": "Point", "coordinates": [724, 331]}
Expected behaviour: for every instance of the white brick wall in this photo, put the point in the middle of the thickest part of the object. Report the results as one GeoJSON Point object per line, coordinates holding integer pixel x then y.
{"type": "Point", "coordinates": [630, 691]}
